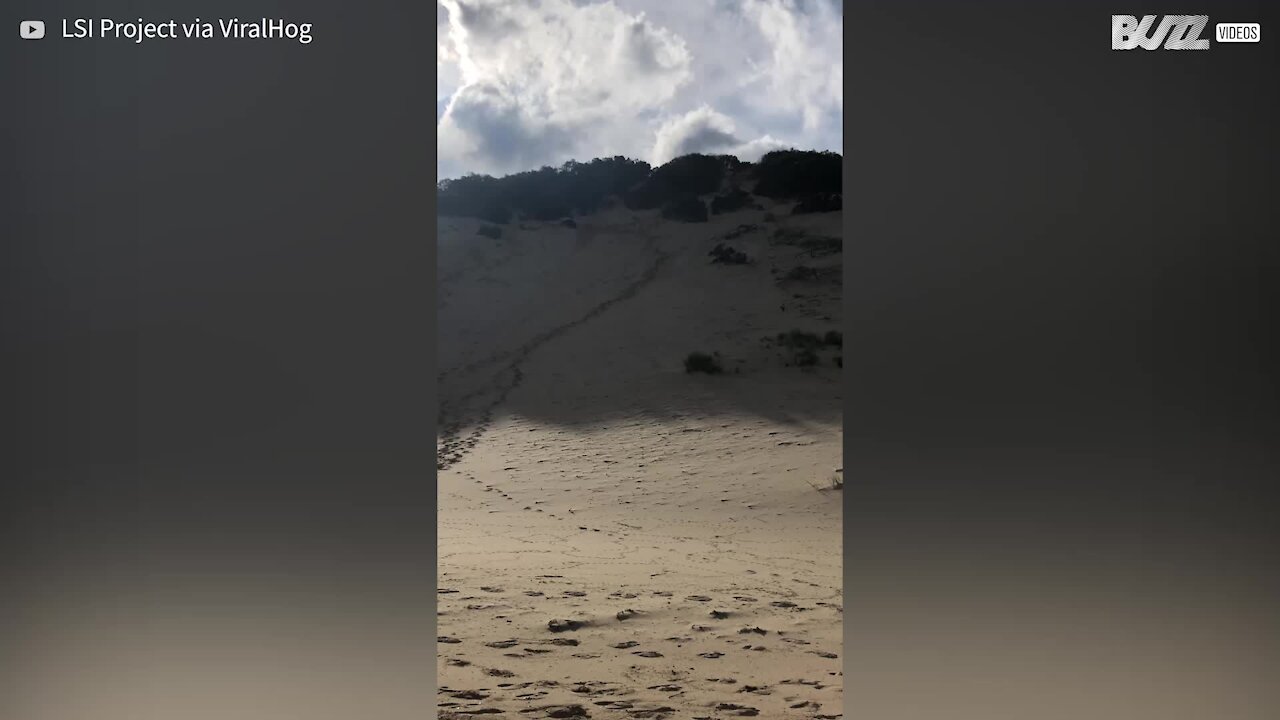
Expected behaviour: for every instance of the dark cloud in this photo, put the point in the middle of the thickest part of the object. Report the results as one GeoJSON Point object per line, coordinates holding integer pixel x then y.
{"type": "Point", "coordinates": [499, 134]}
{"type": "Point", "coordinates": [641, 47]}
{"type": "Point", "coordinates": [705, 139]}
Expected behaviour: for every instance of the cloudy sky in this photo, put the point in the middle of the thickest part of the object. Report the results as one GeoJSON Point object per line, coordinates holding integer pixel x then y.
{"type": "Point", "coordinates": [527, 83]}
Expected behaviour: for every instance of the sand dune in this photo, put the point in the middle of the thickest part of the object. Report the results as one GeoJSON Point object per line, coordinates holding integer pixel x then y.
{"type": "Point", "coordinates": [620, 538]}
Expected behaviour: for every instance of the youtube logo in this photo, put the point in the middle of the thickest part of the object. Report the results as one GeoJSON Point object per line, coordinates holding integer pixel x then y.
{"type": "Point", "coordinates": [31, 29]}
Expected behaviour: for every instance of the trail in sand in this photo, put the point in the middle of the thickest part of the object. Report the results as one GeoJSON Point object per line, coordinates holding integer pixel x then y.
{"type": "Point", "coordinates": [453, 418]}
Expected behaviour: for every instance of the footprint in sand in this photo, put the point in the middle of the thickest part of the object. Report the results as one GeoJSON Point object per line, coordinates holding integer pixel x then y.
{"type": "Point", "coordinates": [648, 654]}
{"type": "Point", "coordinates": [625, 645]}
{"type": "Point", "coordinates": [712, 655]}
{"type": "Point", "coordinates": [447, 640]}
{"type": "Point", "coordinates": [698, 598]}
{"type": "Point", "coordinates": [566, 711]}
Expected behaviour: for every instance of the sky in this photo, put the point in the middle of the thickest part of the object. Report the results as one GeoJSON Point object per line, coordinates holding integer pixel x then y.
{"type": "Point", "coordinates": [527, 83]}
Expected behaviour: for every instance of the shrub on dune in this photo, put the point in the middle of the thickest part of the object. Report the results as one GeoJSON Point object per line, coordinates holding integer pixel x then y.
{"type": "Point", "coordinates": [703, 363]}
{"type": "Point", "coordinates": [731, 201]}
{"type": "Point", "coordinates": [726, 255]}
{"type": "Point", "coordinates": [805, 358]}
{"type": "Point", "coordinates": [686, 209]}
{"type": "Point", "coordinates": [800, 340]}
{"type": "Point", "coordinates": [818, 203]}
{"type": "Point", "coordinates": [805, 346]}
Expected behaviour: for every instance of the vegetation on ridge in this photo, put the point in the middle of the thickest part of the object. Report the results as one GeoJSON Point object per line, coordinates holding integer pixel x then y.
{"type": "Point", "coordinates": [549, 194]}
{"type": "Point", "coordinates": [545, 194]}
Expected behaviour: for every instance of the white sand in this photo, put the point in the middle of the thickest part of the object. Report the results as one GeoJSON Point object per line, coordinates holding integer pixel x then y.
{"type": "Point", "coordinates": [585, 474]}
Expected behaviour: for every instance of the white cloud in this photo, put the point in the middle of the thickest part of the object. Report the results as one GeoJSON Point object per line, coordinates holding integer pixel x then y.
{"type": "Point", "coordinates": [701, 130]}
{"type": "Point", "coordinates": [753, 150]}
{"type": "Point", "coordinates": [533, 82]}
{"type": "Point", "coordinates": [704, 130]}
{"type": "Point", "coordinates": [805, 66]}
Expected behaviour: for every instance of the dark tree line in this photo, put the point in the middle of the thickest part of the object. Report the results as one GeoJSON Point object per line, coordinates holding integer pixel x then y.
{"type": "Point", "coordinates": [798, 173]}
{"type": "Point", "coordinates": [545, 194]}
{"type": "Point", "coordinates": [683, 177]}
{"type": "Point", "coordinates": [578, 188]}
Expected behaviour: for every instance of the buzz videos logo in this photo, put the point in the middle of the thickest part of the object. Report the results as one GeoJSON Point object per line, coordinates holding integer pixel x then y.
{"type": "Point", "coordinates": [1175, 32]}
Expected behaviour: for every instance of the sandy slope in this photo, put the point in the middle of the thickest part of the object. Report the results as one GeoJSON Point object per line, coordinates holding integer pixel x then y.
{"type": "Point", "coordinates": [685, 521]}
